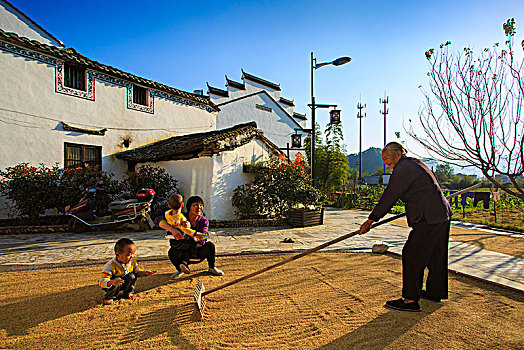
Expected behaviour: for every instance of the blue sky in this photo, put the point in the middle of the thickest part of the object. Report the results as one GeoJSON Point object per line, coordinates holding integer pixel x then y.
{"type": "Point", "coordinates": [185, 44]}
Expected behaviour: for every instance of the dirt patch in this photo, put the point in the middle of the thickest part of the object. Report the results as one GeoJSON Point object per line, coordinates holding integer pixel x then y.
{"type": "Point", "coordinates": [513, 246]}
{"type": "Point", "coordinates": [326, 301]}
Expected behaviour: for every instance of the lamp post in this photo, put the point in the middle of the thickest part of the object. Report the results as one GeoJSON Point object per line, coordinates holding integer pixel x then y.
{"type": "Point", "coordinates": [314, 65]}
{"type": "Point", "coordinates": [384, 112]}
{"type": "Point", "coordinates": [360, 116]}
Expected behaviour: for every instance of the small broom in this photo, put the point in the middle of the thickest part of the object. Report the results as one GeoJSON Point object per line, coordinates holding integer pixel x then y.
{"type": "Point", "coordinates": [200, 291]}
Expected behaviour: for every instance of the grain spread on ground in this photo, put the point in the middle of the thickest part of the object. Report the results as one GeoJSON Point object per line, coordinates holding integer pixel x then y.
{"type": "Point", "coordinates": [322, 301]}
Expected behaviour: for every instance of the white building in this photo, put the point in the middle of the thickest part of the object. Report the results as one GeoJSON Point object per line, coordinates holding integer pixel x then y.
{"type": "Point", "coordinates": [259, 100]}
{"type": "Point", "coordinates": [15, 21]}
{"type": "Point", "coordinates": [209, 164]}
{"type": "Point", "coordinates": [58, 106]}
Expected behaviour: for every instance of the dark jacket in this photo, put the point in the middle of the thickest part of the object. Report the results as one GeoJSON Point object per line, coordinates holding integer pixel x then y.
{"type": "Point", "coordinates": [412, 182]}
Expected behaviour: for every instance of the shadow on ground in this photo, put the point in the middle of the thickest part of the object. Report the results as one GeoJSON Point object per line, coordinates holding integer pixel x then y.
{"type": "Point", "coordinates": [166, 320]}
{"type": "Point", "coordinates": [17, 318]}
{"type": "Point", "coordinates": [385, 330]}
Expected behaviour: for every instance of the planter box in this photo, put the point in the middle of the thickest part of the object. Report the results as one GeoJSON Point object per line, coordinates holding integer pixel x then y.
{"type": "Point", "coordinates": [305, 217]}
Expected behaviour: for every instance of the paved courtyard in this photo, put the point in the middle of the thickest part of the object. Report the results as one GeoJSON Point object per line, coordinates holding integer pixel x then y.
{"type": "Point", "coordinates": [70, 249]}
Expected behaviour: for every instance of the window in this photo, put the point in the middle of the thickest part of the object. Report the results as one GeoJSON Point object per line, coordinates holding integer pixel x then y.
{"type": "Point", "coordinates": [140, 95]}
{"type": "Point", "coordinates": [75, 77]}
{"type": "Point", "coordinates": [79, 156]}
{"type": "Point", "coordinates": [264, 108]}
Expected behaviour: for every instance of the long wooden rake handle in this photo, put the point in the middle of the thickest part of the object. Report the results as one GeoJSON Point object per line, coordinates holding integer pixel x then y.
{"type": "Point", "coordinates": [312, 250]}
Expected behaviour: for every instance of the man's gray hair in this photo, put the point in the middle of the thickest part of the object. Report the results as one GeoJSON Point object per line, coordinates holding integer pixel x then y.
{"type": "Point", "coordinates": [395, 147]}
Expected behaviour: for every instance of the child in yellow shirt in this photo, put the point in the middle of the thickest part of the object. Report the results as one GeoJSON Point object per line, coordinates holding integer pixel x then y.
{"type": "Point", "coordinates": [121, 272]}
{"type": "Point", "coordinates": [175, 217]}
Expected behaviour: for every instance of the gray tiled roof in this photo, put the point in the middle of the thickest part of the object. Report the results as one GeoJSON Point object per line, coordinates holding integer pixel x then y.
{"type": "Point", "coordinates": [299, 116]}
{"type": "Point", "coordinates": [217, 91]}
{"type": "Point", "coordinates": [235, 84]}
{"type": "Point", "coordinates": [197, 145]}
{"type": "Point", "coordinates": [260, 80]}
{"type": "Point", "coordinates": [287, 102]}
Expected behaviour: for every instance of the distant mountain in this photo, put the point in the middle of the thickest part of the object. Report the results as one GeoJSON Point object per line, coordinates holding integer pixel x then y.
{"type": "Point", "coordinates": [432, 164]}
{"type": "Point", "coordinates": [371, 160]}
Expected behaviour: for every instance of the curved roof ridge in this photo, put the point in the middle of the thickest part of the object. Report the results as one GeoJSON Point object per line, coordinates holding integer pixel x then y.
{"type": "Point", "coordinates": [216, 91]}
{"type": "Point", "coordinates": [235, 84]}
{"type": "Point", "coordinates": [260, 80]}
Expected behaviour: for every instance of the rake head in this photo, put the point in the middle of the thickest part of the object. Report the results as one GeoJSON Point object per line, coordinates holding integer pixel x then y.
{"type": "Point", "coordinates": [199, 298]}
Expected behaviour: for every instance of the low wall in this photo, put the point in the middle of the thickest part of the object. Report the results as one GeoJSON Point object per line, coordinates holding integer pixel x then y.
{"type": "Point", "coordinates": [57, 224]}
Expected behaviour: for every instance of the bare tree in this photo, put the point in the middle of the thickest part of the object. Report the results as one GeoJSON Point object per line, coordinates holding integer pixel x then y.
{"type": "Point", "coordinates": [472, 113]}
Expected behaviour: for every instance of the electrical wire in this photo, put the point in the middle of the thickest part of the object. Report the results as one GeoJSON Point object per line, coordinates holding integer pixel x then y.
{"type": "Point", "coordinates": [91, 126]}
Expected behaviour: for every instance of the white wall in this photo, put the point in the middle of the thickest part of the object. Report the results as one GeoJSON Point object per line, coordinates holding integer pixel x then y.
{"type": "Point", "coordinates": [303, 123]}
{"type": "Point", "coordinates": [31, 112]}
{"type": "Point", "coordinates": [234, 93]}
{"type": "Point", "coordinates": [289, 109]}
{"type": "Point", "coordinates": [12, 21]}
{"type": "Point", "coordinates": [218, 99]}
{"type": "Point", "coordinates": [251, 87]}
{"type": "Point", "coordinates": [228, 175]}
{"type": "Point", "coordinates": [215, 178]}
{"type": "Point", "coordinates": [275, 125]}
{"type": "Point", "coordinates": [194, 177]}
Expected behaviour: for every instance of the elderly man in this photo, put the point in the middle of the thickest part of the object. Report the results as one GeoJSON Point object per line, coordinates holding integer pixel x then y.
{"type": "Point", "coordinates": [428, 214]}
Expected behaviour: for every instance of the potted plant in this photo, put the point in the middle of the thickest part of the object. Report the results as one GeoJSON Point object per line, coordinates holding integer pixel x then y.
{"type": "Point", "coordinates": [307, 209]}
{"type": "Point", "coordinates": [302, 217]}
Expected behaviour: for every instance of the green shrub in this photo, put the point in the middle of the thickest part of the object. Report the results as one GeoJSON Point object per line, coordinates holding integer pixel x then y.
{"type": "Point", "coordinates": [276, 188]}
{"type": "Point", "coordinates": [364, 197]}
{"type": "Point", "coordinates": [158, 179]}
{"type": "Point", "coordinates": [347, 200]}
{"type": "Point", "coordinates": [31, 189]}
{"type": "Point", "coordinates": [250, 201]}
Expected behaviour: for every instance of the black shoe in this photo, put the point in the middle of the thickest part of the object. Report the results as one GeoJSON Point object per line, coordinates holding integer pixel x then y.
{"type": "Point", "coordinates": [399, 304]}
{"type": "Point", "coordinates": [425, 295]}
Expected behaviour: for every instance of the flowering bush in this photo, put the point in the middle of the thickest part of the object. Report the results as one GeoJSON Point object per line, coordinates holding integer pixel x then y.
{"type": "Point", "coordinates": [277, 187]}
{"type": "Point", "coordinates": [158, 179]}
{"type": "Point", "coordinates": [31, 189]}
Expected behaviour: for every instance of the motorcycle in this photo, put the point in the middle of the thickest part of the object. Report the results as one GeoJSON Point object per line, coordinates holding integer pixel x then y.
{"type": "Point", "coordinates": [135, 211]}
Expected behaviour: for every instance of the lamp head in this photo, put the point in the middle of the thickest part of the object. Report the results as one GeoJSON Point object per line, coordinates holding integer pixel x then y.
{"type": "Point", "coordinates": [296, 141]}
{"type": "Point", "coordinates": [342, 60]}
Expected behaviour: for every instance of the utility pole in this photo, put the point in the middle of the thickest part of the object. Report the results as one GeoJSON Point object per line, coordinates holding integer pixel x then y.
{"type": "Point", "coordinates": [384, 101]}
{"type": "Point", "coordinates": [360, 116]}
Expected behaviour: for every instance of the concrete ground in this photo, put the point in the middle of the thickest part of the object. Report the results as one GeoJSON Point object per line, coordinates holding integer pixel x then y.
{"type": "Point", "coordinates": [29, 251]}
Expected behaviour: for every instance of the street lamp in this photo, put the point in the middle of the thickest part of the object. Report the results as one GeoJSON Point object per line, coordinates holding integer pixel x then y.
{"type": "Point", "coordinates": [360, 116]}
{"type": "Point", "coordinates": [334, 116]}
{"type": "Point", "coordinates": [384, 112]}
{"type": "Point", "coordinates": [296, 140]}
{"type": "Point", "coordinates": [314, 65]}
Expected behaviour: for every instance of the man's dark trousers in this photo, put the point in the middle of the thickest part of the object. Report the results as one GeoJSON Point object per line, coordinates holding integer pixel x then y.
{"type": "Point", "coordinates": [427, 246]}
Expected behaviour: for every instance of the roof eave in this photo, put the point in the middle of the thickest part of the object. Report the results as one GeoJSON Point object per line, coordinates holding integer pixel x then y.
{"type": "Point", "coordinates": [71, 56]}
